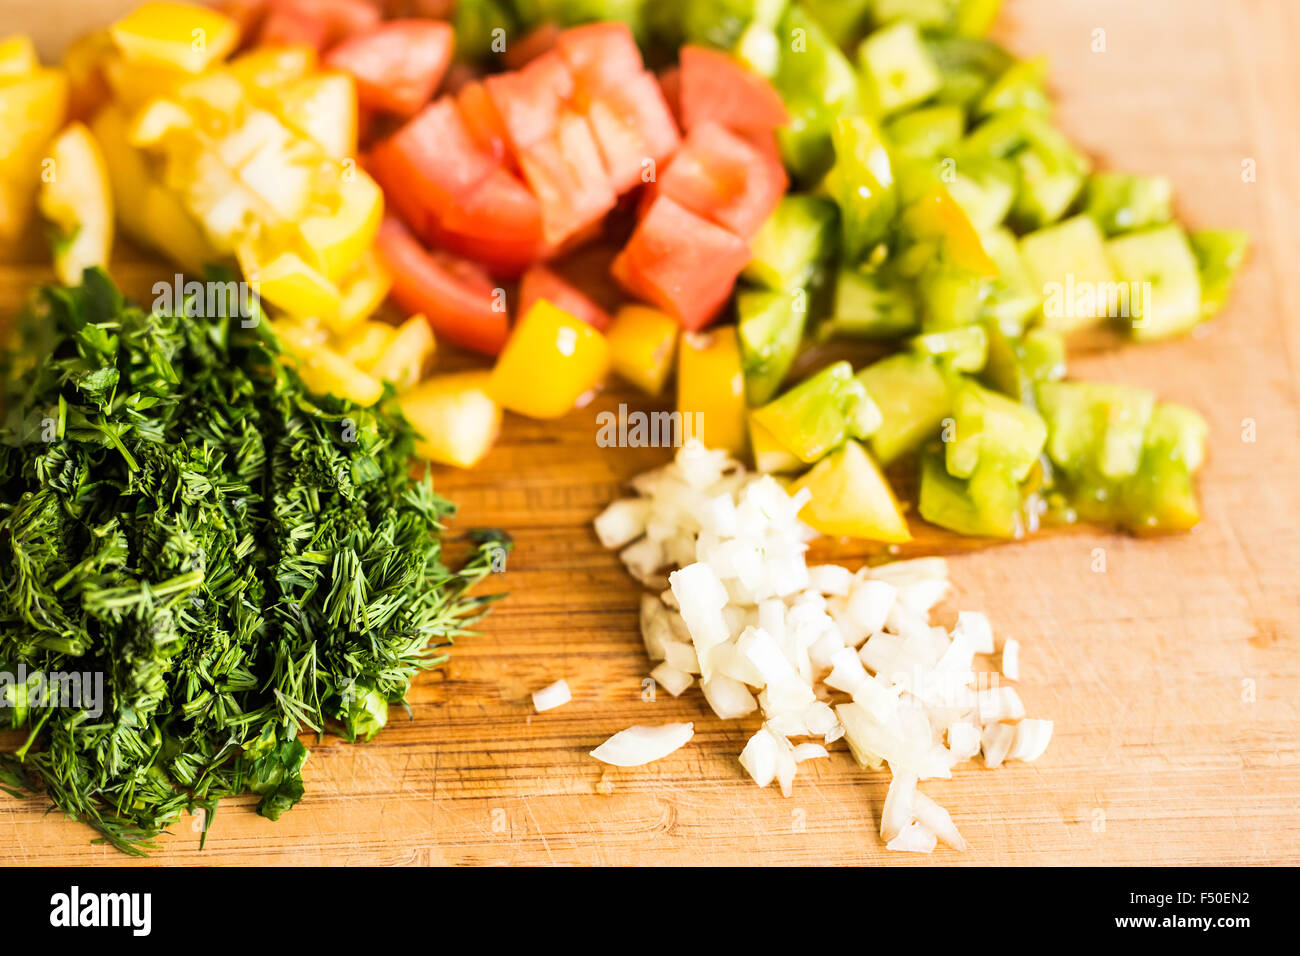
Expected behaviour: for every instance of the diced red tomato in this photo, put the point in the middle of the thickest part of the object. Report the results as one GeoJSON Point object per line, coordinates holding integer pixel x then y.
{"type": "Point", "coordinates": [342, 18]}
{"type": "Point", "coordinates": [529, 101]}
{"type": "Point", "coordinates": [538, 41]}
{"type": "Point", "coordinates": [763, 140]}
{"type": "Point", "coordinates": [482, 120]}
{"type": "Point", "coordinates": [397, 66]}
{"type": "Point", "coordinates": [670, 83]}
{"type": "Point", "coordinates": [432, 163]}
{"type": "Point", "coordinates": [507, 258]}
{"type": "Point", "coordinates": [681, 262]}
{"type": "Point", "coordinates": [540, 282]}
{"type": "Point", "coordinates": [632, 124]}
{"type": "Point", "coordinates": [288, 26]}
{"type": "Point", "coordinates": [247, 14]}
{"type": "Point", "coordinates": [600, 56]}
{"type": "Point", "coordinates": [724, 178]}
{"type": "Point", "coordinates": [500, 207]}
{"type": "Point", "coordinates": [458, 298]}
{"type": "Point", "coordinates": [717, 88]}
{"type": "Point", "coordinates": [566, 173]}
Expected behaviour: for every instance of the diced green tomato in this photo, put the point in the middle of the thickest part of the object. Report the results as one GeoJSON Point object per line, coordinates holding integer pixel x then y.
{"type": "Point", "coordinates": [992, 431]}
{"type": "Point", "coordinates": [770, 456]}
{"type": "Point", "coordinates": [927, 132]}
{"type": "Point", "coordinates": [1016, 365]}
{"type": "Point", "coordinates": [1022, 85]}
{"type": "Point", "coordinates": [963, 349]}
{"type": "Point", "coordinates": [934, 14]}
{"type": "Point", "coordinates": [759, 49]}
{"type": "Point", "coordinates": [950, 298]}
{"type": "Point", "coordinates": [800, 234]}
{"type": "Point", "coordinates": [843, 20]}
{"type": "Point", "coordinates": [1096, 430]}
{"type": "Point", "coordinates": [987, 505]}
{"type": "Point", "coordinates": [818, 84]}
{"type": "Point", "coordinates": [1123, 202]}
{"type": "Point", "coordinates": [869, 306]}
{"type": "Point", "coordinates": [851, 498]}
{"type": "Point", "coordinates": [898, 68]}
{"type": "Point", "coordinates": [1178, 433]}
{"type": "Point", "coordinates": [1047, 189]}
{"type": "Point", "coordinates": [720, 23]}
{"type": "Point", "coordinates": [914, 397]}
{"type": "Point", "coordinates": [1068, 264]}
{"type": "Point", "coordinates": [985, 189]}
{"type": "Point", "coordinates": [475, 21]}
{"type": "Point", "coordinates": [1219, 254]}
{"type": "Point", "coordinates": [966, 66]}
{"type": "Point", "coordinates": [1051, 170]}
{"type": "Point", "coordinates": [975, 17]}
{"type": "Point", "coordinates": [942, 236]}
{"type": "Point", "coordinates": [1012, 297]}
{"type": "Point", "coordinates": [771, 326]}
{"type": "Point", "coordinates": [1161, 496]}
{"type": "Point", "coordinates": [862, 182]}
{"type": "Point", "coordinates": [1160, 263]}
{"type": "Point", "coordinates": [820, 412]}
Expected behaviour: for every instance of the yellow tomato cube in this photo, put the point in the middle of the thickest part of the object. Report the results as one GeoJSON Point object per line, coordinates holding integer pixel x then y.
{"type": "Point", "coordinates": [551, 360]}
{"type": "Point", "coordinates": [178, 35]}
{"type": "Point", "coordinates": [711, 388]}
{"type": "Point", "coordinates": [76, 198]}
{"type": "Point", "coordinates": [455, 415]}
{"type": "Point", "coordinates": [642, 341]}
{"type": "Point", "coordinates": [286, 281]}
{"type": "Point", "coordinates": [336, 240]}
{"type": "Point", "coordinates": [17, 56]}
{"type": "Point", "coordinates": [407, 354]}
{"type": "Point", "coordinates": [362, 292]}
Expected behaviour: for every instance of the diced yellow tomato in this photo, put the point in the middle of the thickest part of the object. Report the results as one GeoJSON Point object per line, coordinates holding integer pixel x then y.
{"type": "Point", "coordinates": [326, 372]}
{"type": "Point", "coordinates": [301, 337]}
{"type": "Point", "coordinates": [128, 172]}
{"type": "Point", "coordinates": [278, 176]}
{"type": "Point", "coordinates": [336, 240]}
{"type": "Point", "coordinates": [770, 456]}
{"type": "Point", "coordinates": [711, 386]}
{"type": "Point", "coordinates": [132, 85]}
{"type": "Point", "coordinates": [84, 63]}
{"type": "Point", "coordinates": [167, 226]}
{"type": "Point", "coordinates": [16, 203]}
{"type": "Point", "coordinates": [456, 416]}
{"type": "Point", "coordinates": [851, 498]}
{"type": "Point", "coordinates": [176, 35]}
{"type": "Point", "coordinates": [158, 119]}
{"type": "Point", "coordinates": [362, 292]}
{"type": "Point", "coordinates": [270, 68]}
{"type": "Point", "coordinates": [216, 96]}
{"type": "Point", "coordinates": [286, 281]}
{"type": "Point", "coordinates": [642, 341]}
{"type": "Point", "coordinates": [32, 109]}
{"type": "Point", "coordinates": [17, 56]}
{"type": "Point", "coordinates": [322, 107]}
{"type": "Point", "coordinates": [364, 344]}
{"type": "Point", "coordinates": [550, 361]}
{"type": "Point", "coordinates": [407, 355]}
{"type": "Point", "coordinates": [76, 198]}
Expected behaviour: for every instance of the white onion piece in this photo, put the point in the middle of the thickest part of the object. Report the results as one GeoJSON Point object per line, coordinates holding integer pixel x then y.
{"type": "Point", "coordinates": [759, 758]}
{"type": "Point", "coordinates": [870, 603]}
{"type": "Point", "coordinates": [847, 673]}
{"type": "Point", "coordinates": [548, 698]}
{"type": "Point", "coordinates": [672, 679]}
{"type": "Point", "coordinates": [897, 812]}
{"type": "Point", "coordinates": [1011, 659]}
{"type": "Point", "coordinates": [809, 751]}
{"type": "Point", "coordinates": [963, 739]}
{"type": "Point", "coordinates": [641, 745]}
{"type": "Point", "coordinates": [975, 627]}
{"type": "Point", "coordinates": [937, 820]}
{"type": "Point", "coordinates": [1032, 738]}
{"type": "Point", "coordinates": [996, 741]}
{"type": "Point", "coordinates": [914, 839]}
{"type": "Point", "coordinates": [622, 522]}
{"type": "Point", "coordinates": [830, 579]}
{"type": "Point", "coordinates": [682, 657]}
{"type": "Point", "coordinates": [728, 697]}
{"type": "Point", "coordinates": [655, 632]}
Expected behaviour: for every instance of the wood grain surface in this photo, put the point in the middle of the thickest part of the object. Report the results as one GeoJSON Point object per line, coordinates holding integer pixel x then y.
{"type": "Point", "coordinates": [1173, 676]}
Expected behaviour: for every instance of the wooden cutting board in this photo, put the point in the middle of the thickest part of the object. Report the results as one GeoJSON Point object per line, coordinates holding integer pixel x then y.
{"type": "Point", "coordinates": [1173, 675]}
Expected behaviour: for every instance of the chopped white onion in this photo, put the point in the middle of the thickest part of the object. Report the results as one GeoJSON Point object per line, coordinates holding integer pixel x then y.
{"type": "Point", "coordinates": [809, 751]}
{"type": "Point", "coordinates": [622, 522]}
{"type": "Point", "coordinates": [830, 579]}
{"type": "Point", "coordinates": [914, 839]}
{"type": "Point", "coordinates": [1032, 738]}
{"type": "Point", "coordinates": [936, 819]}
{"type": "Point", "coordinates": [996, 742]}
{"type": "Point", "coordinates": [1011, 659]}
{"type": "Point", "coordinates": [548, 698]}
{"type": "Point", "coordinates": [728, 697]}
{"type": "Point", "coordinates": [641, 745]}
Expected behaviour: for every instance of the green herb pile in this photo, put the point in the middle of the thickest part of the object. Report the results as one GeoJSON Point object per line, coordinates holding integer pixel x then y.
{"type": "Point", "coordinates": [242, 560]}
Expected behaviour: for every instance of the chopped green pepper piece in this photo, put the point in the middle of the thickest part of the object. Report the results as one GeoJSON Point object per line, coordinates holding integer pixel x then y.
{"type": "Point", "coordinates": [1096, 430]}
{"type": "Point", "coordinates": [819, 413]}
{"type": "Point", "coordinates": [914, 397]}
{"type": "Point", "coordinates": [992, 431]}
{"type": "Point", "coordinates": [963, 349]}
{"type": "Point", "coordinates": [1068, 264]}
{"type": "Point", "coordinates": [770, 326]}
{"type": "Point", "coordinates": [1015, 366]}
{"type": "Point", "coordinates": [869, 306]}
{"type": "Point", "coordinates": [1122, 202]}
{"type": "Point", "coordinates": [862, 182]}
{"type": "Point", "coordinates": [898, 68]}
{"type": "Point", "coordinates": [1021, 86]}
{"type": "Point", "coordinates": [818, 84]}
{"type": "Point", "coordinates": [1219, 254]}
{"type": "Point", "coordinates": [1161, 273]}
{"type": "Point", "coordinates": [925, 133]}
{"type": "Point", "coordinates": [800, 235]}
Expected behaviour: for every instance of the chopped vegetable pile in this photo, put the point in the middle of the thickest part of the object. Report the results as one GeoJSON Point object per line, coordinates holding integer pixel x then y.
{"type": "Point", "coordinates": [237, 559]}
{"type": "Point", "coordinates": [829, 653]}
